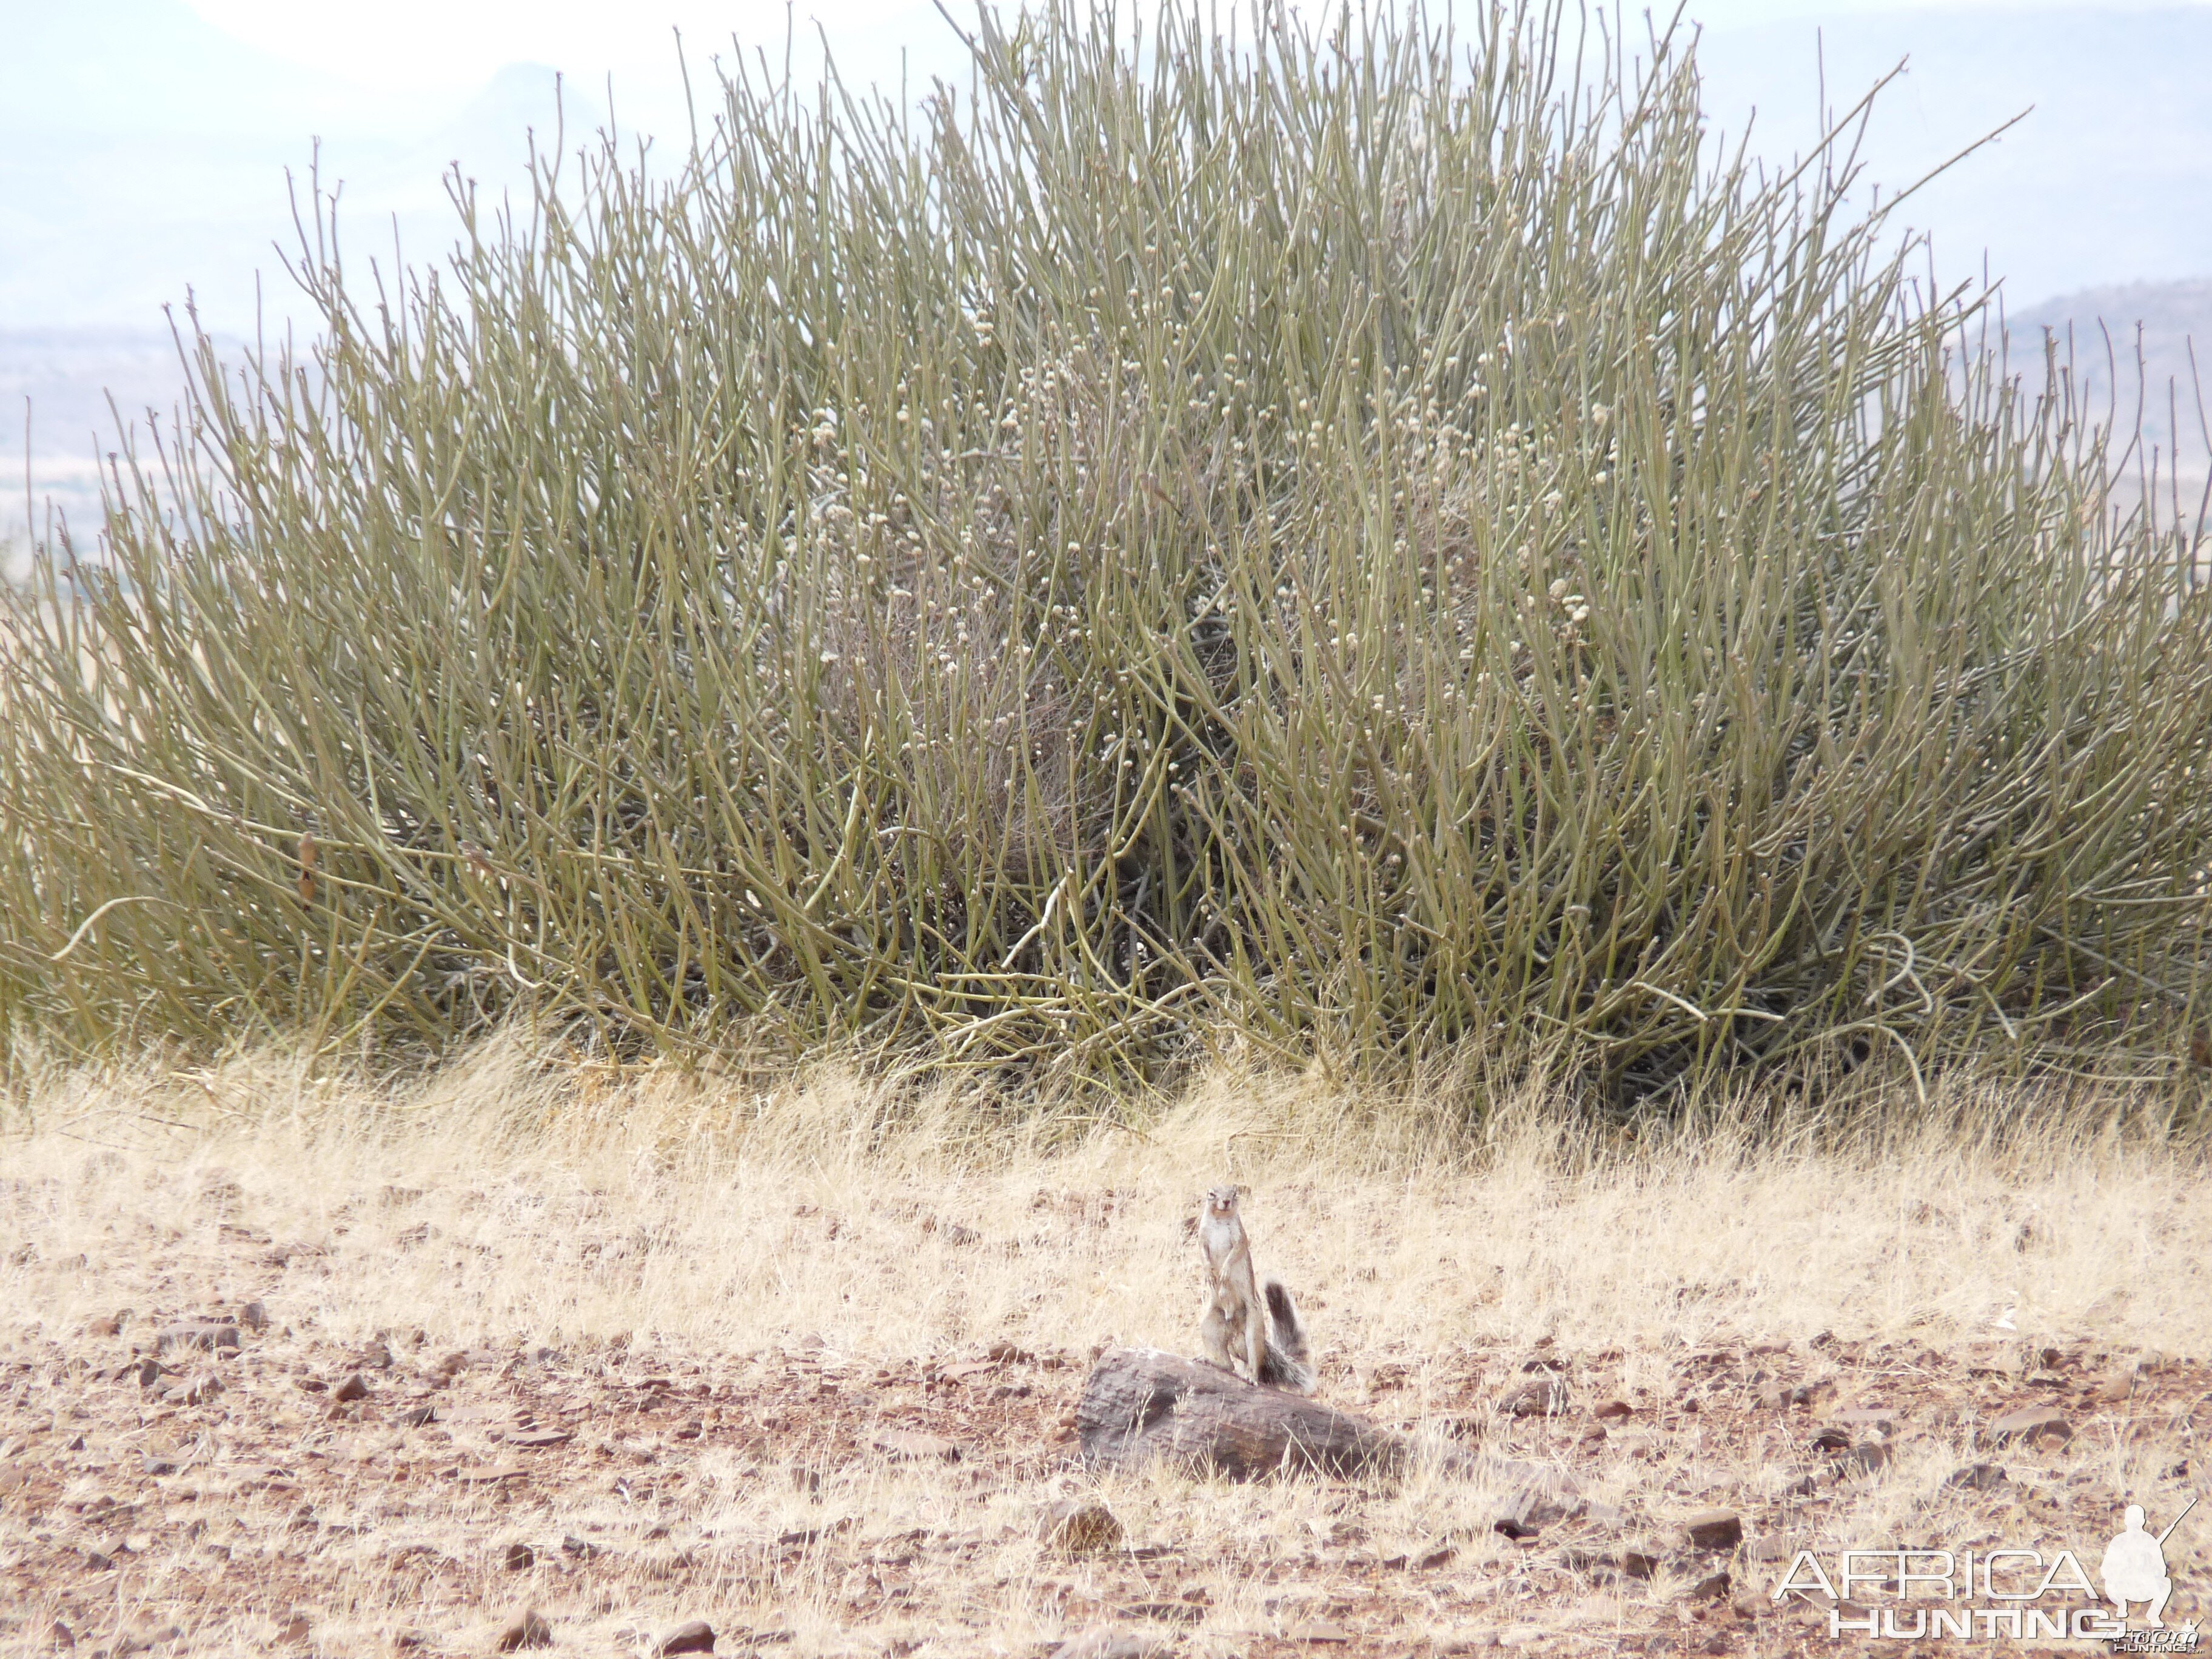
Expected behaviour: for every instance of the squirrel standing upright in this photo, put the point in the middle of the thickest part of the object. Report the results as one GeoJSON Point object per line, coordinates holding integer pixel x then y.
{"type": "Point", "coordinates": [1243, 1321]}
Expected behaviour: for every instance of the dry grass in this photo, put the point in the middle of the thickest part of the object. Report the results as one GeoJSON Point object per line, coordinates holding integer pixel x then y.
{"type": "Point", "coordinates": [804, 1261]}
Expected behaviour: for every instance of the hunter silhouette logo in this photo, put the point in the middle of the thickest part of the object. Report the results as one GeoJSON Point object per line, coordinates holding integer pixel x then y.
{"type": "Point", "coordinates": [2019, 1594]}
{"type": "Point", "coordinates": [2134, 1567]}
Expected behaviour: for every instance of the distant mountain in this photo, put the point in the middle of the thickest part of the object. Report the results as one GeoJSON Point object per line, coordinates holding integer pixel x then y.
{"type": "Point", "coordinates": [2136, 340]}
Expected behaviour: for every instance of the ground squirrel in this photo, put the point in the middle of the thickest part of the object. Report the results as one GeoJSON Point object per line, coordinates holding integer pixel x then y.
{"type": "Point", "coordinates": [1243, 1322]}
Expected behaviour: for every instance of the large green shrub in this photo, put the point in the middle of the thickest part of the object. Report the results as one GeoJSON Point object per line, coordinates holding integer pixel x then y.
{"type": "Point", "coordinates": [1373, 543]}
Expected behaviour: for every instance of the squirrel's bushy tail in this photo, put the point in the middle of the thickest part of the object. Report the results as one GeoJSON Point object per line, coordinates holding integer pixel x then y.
{"type": "Point", "coordinates": [1287, 1362]}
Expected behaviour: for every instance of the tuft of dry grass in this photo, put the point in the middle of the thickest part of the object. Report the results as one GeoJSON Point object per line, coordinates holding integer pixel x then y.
{"type": "Point", "coordinates": [733, 1300]}
{"type": "Point", "coordinates": [902, 1225]}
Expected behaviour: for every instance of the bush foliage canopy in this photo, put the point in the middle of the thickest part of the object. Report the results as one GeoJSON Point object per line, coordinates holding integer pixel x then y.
{"type": "Point", "coordinates": [1372, 542]}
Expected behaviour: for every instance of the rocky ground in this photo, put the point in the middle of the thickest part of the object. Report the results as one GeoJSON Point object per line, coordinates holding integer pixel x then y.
{"type": "Point", "coordinates": [184, 1478]}
{"type": "Point", "coordinates": [306, 1369]}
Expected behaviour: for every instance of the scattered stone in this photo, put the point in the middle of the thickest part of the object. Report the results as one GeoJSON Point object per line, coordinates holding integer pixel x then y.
{"type": "Point", "coordinates": [581, 1548]}
{"type": "Point", "coordinates": [518, 1557]}
{"type": "Point", "coordinates": [60, 1634]}
{"type": "Point", "coordinates": [1106, 1643]}
{"type": "Point", "coordinates": [904, 1445]}
{"type": "Point", "coordinates": [202, 1333]}
{"type": "Point", "coordinates": [1831, 1439]}
{"type": "Point", "coordinates": [1541, 1396]}
{"type": "Point", "coordinates": [490, 1474]}
{"type": "Point", "coordinates": [2116, 1389]}
{"type": "Point", "coordinates": [531, 1631]}
{"type": "Point", "coordinates": [1079, 1528]}
{"type": "Point", "coordinates": [536, 1438]}
{"type": "Point", "coordinates": [355, 1387]}
{"type": "Point", "coordinates": [2032, 1425]}
{"type": "Point", "coordinates": [1007, 1354]}
{"type": "Point", "coordinates": [1975, 1477]}
{"type": "Point", "coordinates": [451, 1366]}
{"type": "Point", "coordinates": [1639, 1561]}
{"type": "Point", "coordinates": [192, 1390]}
{"type": "Point", "coordinates": [1869, 1456]}
{"type": "Point", "coordinates": [1776, 1546]}
{"type": "Point", "coordinates": [417, 1417]}
{"type": "Point", "coordinates": [1713, 1587]}
{"type": "Point", "coordinates": [254, 1317]}
{"type": "Point", "coordinates": [696, 1636]}
{"type": "Point", "coordinates": [1714, 1529]}
{"type": "Point", "coordinates": [106, 1325]}
{"type": "Point", "coordinates": [1318, 1630]}
{"type": "Point", "coordinates": [147, 1372]}
{"type": "Point", "coordinates": [1613, 1411]}
{"type": "Point", "coordinates": [156, 1465]}
{"type": "Point", "coordinates": [1780, 1396]}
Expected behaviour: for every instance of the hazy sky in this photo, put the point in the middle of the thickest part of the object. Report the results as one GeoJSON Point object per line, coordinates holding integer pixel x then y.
{"type": "Point", "coordinates": [144, 144]}
{"type": "Point", "coordinates": [390, 44]}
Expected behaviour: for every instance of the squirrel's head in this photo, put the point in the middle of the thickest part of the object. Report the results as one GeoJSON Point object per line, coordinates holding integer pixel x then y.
{"type": "Point", "coordinates": [1221, 1201]}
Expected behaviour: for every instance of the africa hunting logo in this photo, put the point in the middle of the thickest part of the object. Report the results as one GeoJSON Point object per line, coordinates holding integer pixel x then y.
{"type": "Point", "coordinates": [2017, 1593]}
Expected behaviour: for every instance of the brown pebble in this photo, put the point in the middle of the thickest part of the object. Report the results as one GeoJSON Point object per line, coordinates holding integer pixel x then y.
{"type": "Point", "coordinates": [1078, 1527]}
{"type": "Point", "coordinates": [517, 1557]}
{"type": "Point", "coordinates": [1714, 1529]}
{"type": "Point", "coordinates": [696, 1636]}
{"type": "Point", "coordinates": [355, 1387]}
{"type": "Point", "coordinates": [531, 1631]}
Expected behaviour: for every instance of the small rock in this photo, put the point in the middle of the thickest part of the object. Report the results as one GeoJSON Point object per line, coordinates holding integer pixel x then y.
{"type": "Point", "coordinates": [153, 1464]}
{"type": "Point", "coordinates": [1613, 1411]}
{"type": "Point", "coordinates": [192, 1390]}
{"type": "Point", "coordinates": [1105, 1643]}
{"type": "Point", "coordinates": [1776, 1546]}
{"type": "Point", "coordinates": [147, 1372]}
{"type": "Point", "coordinates": [97, 1560]}
{"type": "Point", "coordinates": [1713, 1587]}
{"type": "Point", "coordinates": [1975, 1477]}
{"type": "Point", "coordinates": [202, 1333]}
{"type": "Point", "coordinates": [355, 1387]}
{"type": "Point", "coordinates": [1079, 1528]}
{"type": "Point", "coordinates": [1541, 1396]}
{"type": "Point", "coordinates": [518, 1557]}
{"type": "Point", "coordinates": [417, 1417]}
{"type": "Point", "coordinates": [1870, 1457]}
{"type": "Point", "coordinates": [254, 1317]}
{"type": "Point", "coordinates": [698, 1636]}
{"type": "Point", "coordinates": [60, 1634]}
{"type": "Point", "coordinates": [1714, 1529]}
{"type": "Point", "coordinates": [2116, 1389]}
{"type": "Point", "coordinates": [581, 1548]}
{"type": "Point", "coordinates": [1831, 1439]}
{"type": "Point", "coordinates": [531, 1631]}
{"type": "Point", "coordinates": [1639, 1561]}
{"type": "Point", "coordinates": [106, 1325]}
{"type": "Point", "coordinates": [2032, 1424]}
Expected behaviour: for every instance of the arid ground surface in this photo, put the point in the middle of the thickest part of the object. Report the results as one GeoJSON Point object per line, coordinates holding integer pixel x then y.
{"type": "Point", "coordinates": [628, 1359]}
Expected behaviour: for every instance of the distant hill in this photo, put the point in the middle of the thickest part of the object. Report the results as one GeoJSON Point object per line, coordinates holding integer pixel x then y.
{"type": "Point", "coordinates": [2137, 339]}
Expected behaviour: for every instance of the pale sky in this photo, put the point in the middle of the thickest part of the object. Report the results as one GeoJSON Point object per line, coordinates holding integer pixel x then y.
{"type": "Point", "coordinates": [145, 144]}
